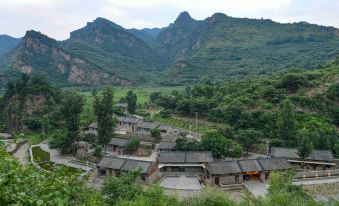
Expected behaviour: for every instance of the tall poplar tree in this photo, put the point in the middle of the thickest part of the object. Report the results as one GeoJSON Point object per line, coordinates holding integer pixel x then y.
{"type": "Point", "coordinates": [131, 99]}
{"type": "Point", "coordinates": [287, 124]}
{"type": "Point", "coordinates": [103, 108]}
{"type": "Point", "coordinates": [72, 107]}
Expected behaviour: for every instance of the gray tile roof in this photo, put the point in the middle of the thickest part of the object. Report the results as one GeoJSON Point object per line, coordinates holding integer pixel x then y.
{"type": "Point", "coordinates": [167, 145]}
{"type": "Point", "coordinates": [133, 120]}
{"type": "Point", "coordinates": [250, 165]}
{"type": "Point", "coordinates": [316, 155]}
{"type": "Point", "coordinates": [118, 141]}
{"type": "Point", "coordinates": [132, 164]}
{"type": "Point", "coordinates": [149, 125]}
{"type": "Point", "coordinates": [172, 157]}
{"type": "Point", "coordinates": [224, 167]}
{"type": "Point", "coordinates": [125, 164]}
{"type": "Point", "coordinates": [185, 157]}
{"type": "Point", "coordinates": [111, 162]}
{"type": "Point", "coordinates": [204, 156]}
{"type": "Point", "coordinates": [276, 163]}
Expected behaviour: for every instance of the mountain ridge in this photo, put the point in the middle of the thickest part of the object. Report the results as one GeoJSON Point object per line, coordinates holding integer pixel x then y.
{"type": "Point", "coordinates": [183, 52]}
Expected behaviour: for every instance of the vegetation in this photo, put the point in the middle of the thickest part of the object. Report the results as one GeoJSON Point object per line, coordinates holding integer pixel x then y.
{"type": "Point", "coordinates": [156, 135]}
{"type": "Point", "coordinates": [132, 145]}
{"type": "Point", "coordinates": [103, 108]}
{"type": "Point", "coordinates": [131, 100]}
{"type": "Point", "coordinates": [72, 107]}
{"type": "Point", "coordinates": [271, 107]}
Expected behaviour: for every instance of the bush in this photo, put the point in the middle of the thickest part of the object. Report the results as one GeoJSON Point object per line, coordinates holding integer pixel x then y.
{"type": "Point", "coordinates": [132, 145]}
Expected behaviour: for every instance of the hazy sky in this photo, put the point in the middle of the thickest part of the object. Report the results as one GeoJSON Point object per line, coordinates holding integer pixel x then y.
{"type": "Point", "coordinates": [57, 18]}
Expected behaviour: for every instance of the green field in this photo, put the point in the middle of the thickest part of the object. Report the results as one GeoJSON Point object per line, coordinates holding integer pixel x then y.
{"type": "Point", "coordinates": [142, 93]}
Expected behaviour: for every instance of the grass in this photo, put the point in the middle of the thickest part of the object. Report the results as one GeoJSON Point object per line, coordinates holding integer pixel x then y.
{"type": "Point", "coordinates": [40, 155]}
{"type": "Point", "coordinates": [35, 138]}
{"type": "Point", "coordinates": [186, 123]}
{"type": "Point", "coordinates": [143, 94]}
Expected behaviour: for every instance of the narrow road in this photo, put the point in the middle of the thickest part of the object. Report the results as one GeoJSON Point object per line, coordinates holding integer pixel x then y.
{"type": "Point", "coordinates": [58, 159]}
{"type": "Point", "coordinates": [256, 187]}
{"type": "Point", "coordinates": [317, 181]}
{"type": "Point", "coordinates": [22, 154]}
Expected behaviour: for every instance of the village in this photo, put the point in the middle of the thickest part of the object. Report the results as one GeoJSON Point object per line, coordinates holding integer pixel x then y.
{"type": "Point", "coordinates": [183, 172]}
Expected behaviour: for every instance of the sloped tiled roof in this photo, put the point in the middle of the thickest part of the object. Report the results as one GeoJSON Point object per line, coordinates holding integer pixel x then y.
{"type": "Point", "coordinates": [276, 163]}
{"type": "Point", "coordinates": [125, 164]}
{"type": "Point", "coordinates": [316, 155]}
{"type": "Point", "coordinates": [131, 164]}
{"type": "Point", "coordinates": [223, 167]}
{"type": "Point", "coordinates": [149, 125]}
{"type": "Point", "coordinates": [249, 165]}
{"type": "Point", "coordinates": [185, 157]}
{"type": "Point", "coordinates": [119, 141]}
{"type": "Point", "coordinates": [111, 162]}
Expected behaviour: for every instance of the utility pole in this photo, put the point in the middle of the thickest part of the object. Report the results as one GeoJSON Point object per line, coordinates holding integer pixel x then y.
{"type": "Point", "coordinates": [196, 124]}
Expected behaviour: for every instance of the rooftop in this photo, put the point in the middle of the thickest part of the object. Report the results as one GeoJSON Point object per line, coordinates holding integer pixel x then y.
{"type": "Point", "coordinates": [125, 164]}
{"type": "Point", "coordinates": [316, 155]}
{"type": "Point", "coordinates": [149, 125]}
{"type": "Point", "coordinates": [185, 157]}
{"type": "Point", "coordinates": [249, 165]}
{"type": "Point", "coordinates": [119, 141]}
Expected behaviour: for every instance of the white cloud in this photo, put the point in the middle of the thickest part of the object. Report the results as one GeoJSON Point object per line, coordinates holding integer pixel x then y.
{"type": "Point", "coordinates": [57, 18]}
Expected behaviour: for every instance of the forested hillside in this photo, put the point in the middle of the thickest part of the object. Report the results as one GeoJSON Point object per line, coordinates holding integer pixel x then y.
{"type": "Point", "coordinates": [280, 108]}
{"type": "Point", "coordinates": [187, 51]}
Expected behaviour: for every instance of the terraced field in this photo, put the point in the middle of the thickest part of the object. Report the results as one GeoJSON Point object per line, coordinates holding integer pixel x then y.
{"type": "Point", "coordinates": [326, 189]}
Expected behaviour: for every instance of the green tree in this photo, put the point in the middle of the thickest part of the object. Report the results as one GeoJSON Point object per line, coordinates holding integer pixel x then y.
{"type": "Point", "coordinates": [132, 145]}
{"type": "Point", "coordinates": [305, 146]}
{"type": "Point", "coordinates": [58, 140]}
{"type": "Point", "coordinates": [72, 107]}
{"type": "Point", "coordinates": [131, 99]}
{"type": "Point", "coordinates": [216, 143]}
{"type": "Point", "coordinates": [122, 187]}
{"type": "Point", "coordinates": [45, 125]}
{"type": "Point", "coordinates": [103, 108]}
{"type": "Point", "coordinates": [248, 137]}
{"type": "Point", "coordinates": [156, 135]}
{"type": "Point", "coordinates": [287, 124]}
{"type": "Point", "coordinates": [25, 185]}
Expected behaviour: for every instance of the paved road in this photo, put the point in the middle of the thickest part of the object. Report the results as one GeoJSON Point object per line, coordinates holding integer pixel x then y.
{"type": "Point", "coordinates": [22, 154]}
{"type": "Point", "coordinates": [317, 181]}
{"type": "Point", "coordinates": [57, 158]}
{"type": "Point", "coordinates": [256, 187]}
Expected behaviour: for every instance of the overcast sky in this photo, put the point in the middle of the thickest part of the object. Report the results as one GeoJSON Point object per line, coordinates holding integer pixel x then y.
{"type": "Point", "coordinates": [57, 18]}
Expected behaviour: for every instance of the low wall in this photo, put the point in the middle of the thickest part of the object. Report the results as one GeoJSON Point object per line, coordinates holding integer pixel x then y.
{"type": "Point", "coordinates": [312, 174]}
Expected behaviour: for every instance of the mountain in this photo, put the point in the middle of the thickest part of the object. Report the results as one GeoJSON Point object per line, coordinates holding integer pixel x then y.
{"type": "Point", "coordinates": [149, 36]}
{"type": "Point", "coordinates": [38, 53]}
{"type": "Point", "coordinates": [230, 48]}
{"type": "Point", "coordinates": [7, 43]}
{"type": "Point", "coordinates": [219, 47]}
{"type": "Point", "coordinates": [116, 50]}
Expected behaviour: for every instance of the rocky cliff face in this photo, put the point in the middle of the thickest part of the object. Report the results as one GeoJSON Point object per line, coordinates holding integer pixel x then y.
{"type": "Point", "coordinates": [38, 53]}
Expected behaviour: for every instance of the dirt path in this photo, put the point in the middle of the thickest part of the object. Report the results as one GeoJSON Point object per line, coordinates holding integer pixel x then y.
{"type": "Point", "coordinates": [22, 154]}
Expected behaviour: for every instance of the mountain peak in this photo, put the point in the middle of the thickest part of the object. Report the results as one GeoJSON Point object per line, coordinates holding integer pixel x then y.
{"type": "Point", "coordinates": [102, 22]}
{"type": "Point", "coordinates": [184, 17]}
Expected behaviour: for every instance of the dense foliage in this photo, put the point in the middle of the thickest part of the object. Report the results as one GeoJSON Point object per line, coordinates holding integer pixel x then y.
{"type": "Point", "coordinates": [275, 108]}
{"type": "Point", "coordinates": [29, 101]}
